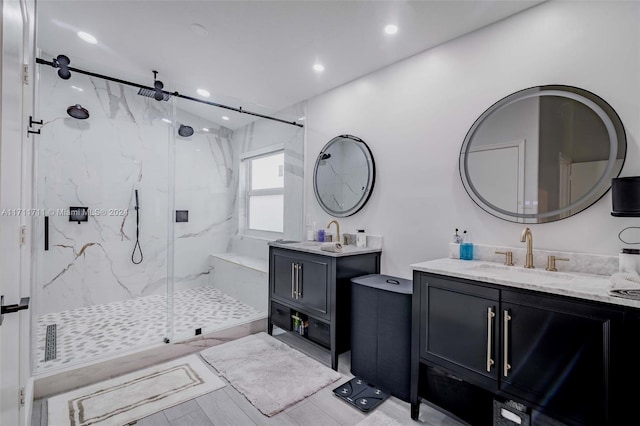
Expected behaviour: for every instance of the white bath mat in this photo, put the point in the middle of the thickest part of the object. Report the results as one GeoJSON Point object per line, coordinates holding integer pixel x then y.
{"type": "Point", "coordinates": [269, 373]}
{"type": "Point", "coordinates": [127, 398]}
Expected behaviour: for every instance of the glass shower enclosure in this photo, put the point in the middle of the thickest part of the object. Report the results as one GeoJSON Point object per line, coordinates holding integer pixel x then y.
{"type": "Point", "coordinates": [132, 201]}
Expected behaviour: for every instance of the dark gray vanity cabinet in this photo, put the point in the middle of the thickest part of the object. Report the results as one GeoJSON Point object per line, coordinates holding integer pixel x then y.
{"type": "Point", "coordinates": [558, 355]}
{"type": "Point", "coordinates": [318, 288]}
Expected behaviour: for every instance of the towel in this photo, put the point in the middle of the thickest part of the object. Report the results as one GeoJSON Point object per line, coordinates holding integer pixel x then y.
{"type": "Point", "coordinates": [625, 281]}
{"type": "Point", "coordinates": [331, 247]}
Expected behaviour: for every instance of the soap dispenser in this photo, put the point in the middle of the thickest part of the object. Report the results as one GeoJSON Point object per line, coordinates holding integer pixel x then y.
{"type": "Point", "coordinates": [466, 248]}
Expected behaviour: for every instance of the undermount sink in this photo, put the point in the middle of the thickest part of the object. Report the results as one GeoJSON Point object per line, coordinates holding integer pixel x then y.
{"type": "Point", "coordinates": [515, 272]}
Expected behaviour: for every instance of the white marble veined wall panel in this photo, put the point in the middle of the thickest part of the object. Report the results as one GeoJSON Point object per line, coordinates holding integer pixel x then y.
{"type": "Point", "coordinates": [98, 163]}
{"type": "Point", "coordinates": [205, 185]}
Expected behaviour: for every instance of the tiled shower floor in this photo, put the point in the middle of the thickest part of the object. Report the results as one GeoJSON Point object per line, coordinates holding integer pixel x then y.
{"type": "Point", "coordinates": [100, 330]}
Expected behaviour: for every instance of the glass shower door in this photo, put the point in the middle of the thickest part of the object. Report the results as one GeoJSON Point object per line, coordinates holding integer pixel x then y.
{"type": "Point", "coordinates": [205, 195]}
{"type": "Point", "coordinates": [95, 297]}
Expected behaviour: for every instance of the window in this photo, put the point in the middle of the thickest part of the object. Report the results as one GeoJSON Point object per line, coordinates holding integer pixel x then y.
{"type": "Point", "coordinates": [264, 192]}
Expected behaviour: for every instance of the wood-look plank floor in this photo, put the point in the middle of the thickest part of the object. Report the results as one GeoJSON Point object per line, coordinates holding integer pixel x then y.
{"type": "Point", "coordinates": [228, 407]}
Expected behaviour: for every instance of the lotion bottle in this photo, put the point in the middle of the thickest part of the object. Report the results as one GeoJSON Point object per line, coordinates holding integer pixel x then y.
{"type": "Point", "coordinates": [361, 238]}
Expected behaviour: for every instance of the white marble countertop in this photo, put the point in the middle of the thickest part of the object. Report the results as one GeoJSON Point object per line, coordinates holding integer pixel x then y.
{"type": "Point", "coordinates": [314, 247]}
{"type": "Point", "coordinates": [572, 284]}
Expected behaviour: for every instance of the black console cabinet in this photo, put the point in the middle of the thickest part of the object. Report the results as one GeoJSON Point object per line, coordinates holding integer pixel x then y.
{"type": "Point", "coordinates": [558, 355]}
{"type": "Point", "coordinates": [317, 287]}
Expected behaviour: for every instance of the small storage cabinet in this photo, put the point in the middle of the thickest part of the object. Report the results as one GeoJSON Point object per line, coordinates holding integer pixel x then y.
{"type": "Point", "coordinates": [317, 286]}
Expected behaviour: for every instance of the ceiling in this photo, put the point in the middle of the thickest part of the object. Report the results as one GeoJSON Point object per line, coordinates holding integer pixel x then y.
{"type": "Point", "coordinates": [254, 54]}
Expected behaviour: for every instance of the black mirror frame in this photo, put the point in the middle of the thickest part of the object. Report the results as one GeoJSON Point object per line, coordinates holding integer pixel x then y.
{"type": "Point", "coordinates": [370, 182]}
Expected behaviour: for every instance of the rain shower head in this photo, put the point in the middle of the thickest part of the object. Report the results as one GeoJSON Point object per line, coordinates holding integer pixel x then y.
{"type": "Point", "coordinates": [157, 92]}
{"type": "Point", "coordinates": [76, 111]}
{"type": "Point", "coordinates": [185, 131]}
{"type": "Point", "coordinates": [150, 93]}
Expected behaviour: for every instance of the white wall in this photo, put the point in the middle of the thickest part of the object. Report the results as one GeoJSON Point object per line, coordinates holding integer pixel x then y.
{"type": "Point", "coordinates": [414, 116]}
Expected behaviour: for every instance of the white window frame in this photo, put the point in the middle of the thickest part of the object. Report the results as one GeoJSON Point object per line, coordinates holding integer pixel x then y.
{"type": "Point", "coordinates": [246, 193]}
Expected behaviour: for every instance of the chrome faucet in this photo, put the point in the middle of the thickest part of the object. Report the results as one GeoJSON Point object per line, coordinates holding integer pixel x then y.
{"type": "Point", "coordinates": [528, 237]}
{"type": "Point", "coordinates": [337, 229]}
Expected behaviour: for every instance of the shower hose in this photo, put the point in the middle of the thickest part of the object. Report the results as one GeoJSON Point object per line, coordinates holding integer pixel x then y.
{"type": "Point", "coordinates": [137, 246]}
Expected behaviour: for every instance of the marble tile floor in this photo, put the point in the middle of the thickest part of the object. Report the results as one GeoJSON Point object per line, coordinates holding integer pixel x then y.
{"type": "Point", "coordinates": [100, 330]}
{"type": "Point", "coordinates": [227, 407]}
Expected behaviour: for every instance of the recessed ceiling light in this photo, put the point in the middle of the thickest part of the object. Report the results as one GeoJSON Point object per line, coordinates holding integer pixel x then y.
{"type": "Point", "coordinates": [87, 37]}
{"type": "Point", "coordinates": [224, 117]}
{"type": "Point", "coordinates": [318, 67]}
{"type": "Point", "coordinates": [301, 118]}
{"type": "Point", "coordinates": [391, 29]}
{"type": "Point", "coordinates": [79, 89]}
{"type": "Point", "coordinates": [166, 120]}
{"type": "Point", "coordinates": [205, 129]}
{"type": "Point", "coordinates": [203, 92]}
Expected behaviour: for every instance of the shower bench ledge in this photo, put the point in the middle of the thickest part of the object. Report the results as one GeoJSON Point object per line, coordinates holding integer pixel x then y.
{"type": "Point", "coordinates": [257, 264]}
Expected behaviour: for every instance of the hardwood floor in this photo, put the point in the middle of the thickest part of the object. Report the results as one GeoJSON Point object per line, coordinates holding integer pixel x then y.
{"type": "Point", "coordinates": [228, 407]}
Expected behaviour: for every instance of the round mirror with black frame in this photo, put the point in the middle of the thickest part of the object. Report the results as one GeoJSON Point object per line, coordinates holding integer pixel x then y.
{"type": "Point", "coordinates": [542, 154]}
{"type": "Point", "coordinates": [344, 175]}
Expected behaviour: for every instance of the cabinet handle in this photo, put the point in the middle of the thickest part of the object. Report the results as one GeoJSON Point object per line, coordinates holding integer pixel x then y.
{"type": "Point", "coordinates": [490, 316]}
{"type": "Point", "coordinates": [298, 281]}
{"type": "Point", "coordinates": [505, 361]}
{"type": "Point", "coordinates": [293, 293]}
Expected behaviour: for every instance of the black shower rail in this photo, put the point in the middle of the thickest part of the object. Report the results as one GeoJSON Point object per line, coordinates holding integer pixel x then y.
{"type": "Point", "coordinates": [176, 94]}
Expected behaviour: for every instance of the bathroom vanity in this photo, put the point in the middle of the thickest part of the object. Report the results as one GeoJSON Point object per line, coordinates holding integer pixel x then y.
{"type": "Point", "coordinates": [553, 341]}
{"type": "Point", "coordinates": [314, 287]}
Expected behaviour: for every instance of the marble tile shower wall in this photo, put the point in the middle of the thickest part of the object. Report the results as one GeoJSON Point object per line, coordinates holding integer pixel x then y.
{"type": "Point", "coordinates": [98, 163]}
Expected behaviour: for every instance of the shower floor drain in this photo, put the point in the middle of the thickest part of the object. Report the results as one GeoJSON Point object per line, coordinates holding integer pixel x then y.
{"type": "Point", "coordinates": [50, 342]}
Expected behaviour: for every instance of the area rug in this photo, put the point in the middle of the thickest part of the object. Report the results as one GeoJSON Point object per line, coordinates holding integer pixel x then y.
{"type": "Point", "coordinates": [269, 373]}
{"type": "Point", "coordinates": [127, 398]}
{"type": "Point", "coordinates": [378, 418]}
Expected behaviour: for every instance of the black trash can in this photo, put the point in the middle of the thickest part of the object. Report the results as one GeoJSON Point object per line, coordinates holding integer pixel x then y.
{"type": "Point", "coordinates": [381, 332]}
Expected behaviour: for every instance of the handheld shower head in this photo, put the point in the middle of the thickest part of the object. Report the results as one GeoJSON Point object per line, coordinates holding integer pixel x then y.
{"type": "Point", "coordinates": [137, 204]}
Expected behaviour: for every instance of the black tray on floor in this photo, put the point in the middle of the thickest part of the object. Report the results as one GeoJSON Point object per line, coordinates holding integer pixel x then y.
{"type": "Point", "coordinates": [362, 395]}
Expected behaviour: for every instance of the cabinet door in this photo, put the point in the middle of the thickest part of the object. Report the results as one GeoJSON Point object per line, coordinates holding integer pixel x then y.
{"type": "Point", "coordinates": [301, 280]}
{"type": "Point", "coordinates": [556, 355]}
{"type": "Point", "coordinates": [284, 276]}
{"type": "Point", "coordinates": [459, 328]}
{"type": "Point", "coordinates": [313, 289]}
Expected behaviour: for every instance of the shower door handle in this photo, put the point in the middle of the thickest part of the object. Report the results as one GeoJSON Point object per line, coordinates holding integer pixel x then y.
{"type": "Point", "coordinates": [9, 309]}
